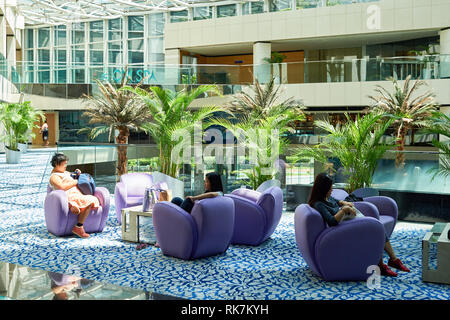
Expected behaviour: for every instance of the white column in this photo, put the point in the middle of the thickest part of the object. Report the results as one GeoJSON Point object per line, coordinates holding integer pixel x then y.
{"type": "Point", "coordinates": [172, 64]}
{"type": "Point", "coordinates": [261, 68]}
{"type": "Point", "coordinates": [445, 52]}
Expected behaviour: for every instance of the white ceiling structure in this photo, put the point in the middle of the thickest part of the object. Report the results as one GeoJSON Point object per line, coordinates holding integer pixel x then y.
{"type": "Point", "coordinates": [55, 12]}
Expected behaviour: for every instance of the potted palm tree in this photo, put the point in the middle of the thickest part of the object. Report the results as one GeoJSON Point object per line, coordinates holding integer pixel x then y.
{"type": "Point", "coordinates": [263, 110]}
{"type": "Point", "coordinates": [170, 113]}
{"type": "Point", "coordinates": [409, 112]}
{"type": "Point", "coordinates": [439, 123]}
{"type": "Point", "coordinates": [115, 109]}
{"type": "Point", "coordinates": [279, 68]}
{"type": "Point", "coordinates": [12, 121]}
{"type": "Point", "coordinates": [29, 115]}
{"type": "Point", "coordinates": [357, 145]}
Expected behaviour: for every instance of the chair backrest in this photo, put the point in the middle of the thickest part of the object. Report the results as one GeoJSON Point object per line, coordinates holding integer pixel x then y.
{"type": "Point", "coordinates": [248, 194]}
{"type": "Point", "coordinates": [267, 184]}
{"type": "Point", "coordinates": [136, 183]}
{"type": "Point", "coordinates": [214, 218]}
{"type": "Point", "coordinates": [271, 201]}
{"type": "Point", "coordinates": [309, 224]}
{"type": "Point", "coordinates": [366, 192]}
{"type": "Point", "coordinates": [339, 194]}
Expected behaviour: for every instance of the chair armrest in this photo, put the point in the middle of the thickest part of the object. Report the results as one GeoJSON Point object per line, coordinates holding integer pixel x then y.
{"type": "Point", "coordinates": [102, 194]}
{"type": "Point", "coordinates": [368, 209]}
{"type": "Point", "coordinates": [249, 221]}
{"type": "Point", "coordinates": [385, 205]}
{"type": "Point", "coordinates": [56, 208]}
{"type": "Point", "coordinates": [175, 230]}
{"type": "Point", "coordinates": [345, 251]}
{"type": "Point", "coordinates": [120, 191]}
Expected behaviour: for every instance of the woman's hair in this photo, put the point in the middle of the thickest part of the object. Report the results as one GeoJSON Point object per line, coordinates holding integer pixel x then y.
{"type": "Point", "coordinates": [58, 158]}
{"type": "Point", "coordinates": [215, 182]}
{"type": "Point", "coordinates": [322, 184]}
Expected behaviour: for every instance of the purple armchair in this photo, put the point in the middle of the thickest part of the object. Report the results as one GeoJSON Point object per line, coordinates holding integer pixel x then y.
{"type": "Point", "coordinates": [129, 191]}
{"type": "Point", "coordinates": [60, 220]}
{"type": "Point", "coordinates": [256, 214]}
{"type": "Point", "coordinates": [342, 252]}
{"type": "Point", "coordinates": [205, 232]}
{"type": "Point", "coordinates": [379, 207]}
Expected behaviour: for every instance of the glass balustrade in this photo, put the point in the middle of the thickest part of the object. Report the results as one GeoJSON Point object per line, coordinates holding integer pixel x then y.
{"type": "Point", "coordinates": [420, 195]}
{"type": "Point", "coordinates": [330, 71]}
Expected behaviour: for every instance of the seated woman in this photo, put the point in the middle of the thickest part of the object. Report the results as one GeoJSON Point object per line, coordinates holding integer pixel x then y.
{"type": "Point", "coordinates": [79, 203]}
{"type": "Point", "coordinates": [213, 188]}
{"type": "Point", "coordinates": [334, 211]}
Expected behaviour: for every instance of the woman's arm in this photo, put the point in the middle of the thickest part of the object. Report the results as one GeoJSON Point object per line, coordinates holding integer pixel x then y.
{"type": "Point", "coordinates": [204, 196]}
{"type": "Point", "coordinates": [62, 184]}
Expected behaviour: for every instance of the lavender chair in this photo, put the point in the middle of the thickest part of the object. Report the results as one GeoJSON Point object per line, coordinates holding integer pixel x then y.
{"type": "Point", "coordinates": [257, 214]}
{"type": "Point", "coordinates": [379, 207]}
{"type": "Point", "coordinates": [339, 253]}
{"type": "Point", "coordinates": [60, 220]}
{"type": "Point", "coordinates": [129, 191]}
{"type": "Point", "coordinates": [205, 232]}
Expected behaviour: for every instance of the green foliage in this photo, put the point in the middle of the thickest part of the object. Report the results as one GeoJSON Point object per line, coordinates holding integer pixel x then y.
{"type": "Point", "coordinates": [275, 57]}
{"type": "Point", "coordinates": [170, 114]}
{"type": "Point", "coordinates": [18, 120]}
{"type": "Point", "coordinates": [407, 111]}
{"type": "Point", "coordinates": [357, 144]}
{"type": "Point", "coordinates": [261, 114]}
{"type": "Point", "coordinates": [439, 123]}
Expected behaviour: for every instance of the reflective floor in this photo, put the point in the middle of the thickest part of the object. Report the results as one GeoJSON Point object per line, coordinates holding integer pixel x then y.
{"type": "Point", "coordinates": [23, 283]}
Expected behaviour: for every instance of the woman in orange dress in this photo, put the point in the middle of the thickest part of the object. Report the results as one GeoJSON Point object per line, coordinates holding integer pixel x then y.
{"type": "Point", "coordinates": [79, 203]}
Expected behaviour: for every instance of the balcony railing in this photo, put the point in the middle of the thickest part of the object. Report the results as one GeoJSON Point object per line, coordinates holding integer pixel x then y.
{"type": "Point", "coordinates": [329, 71]}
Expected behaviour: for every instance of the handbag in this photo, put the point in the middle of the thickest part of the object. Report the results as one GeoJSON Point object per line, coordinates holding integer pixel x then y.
{"type": "Point", "coordinates": [150, 199]}
{"type": "Point", "coordinates": [86, 184]}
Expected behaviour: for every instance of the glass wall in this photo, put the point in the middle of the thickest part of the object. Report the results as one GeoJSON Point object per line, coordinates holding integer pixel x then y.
{"type": "Point", "coordinates": [96, 49]}
{"type": "Point", "coordinates": [43, 58]}
{"type": "Point", "coordinates": [201, 13]}
{"type": "Point", "coordinates": [229, 10]}
{"type": "Point", "coordinates": [60, 54]}
{"type": "Point", "coordinates": [253, 7]}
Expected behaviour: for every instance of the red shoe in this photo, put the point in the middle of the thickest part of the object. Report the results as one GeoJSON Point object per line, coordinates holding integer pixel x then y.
{"type": "Point", "coordinates": [398, 265]}
{"type": "Point", "coordinates": [385, 271]}
{"type": "Point", "coordinates": [79, 231]}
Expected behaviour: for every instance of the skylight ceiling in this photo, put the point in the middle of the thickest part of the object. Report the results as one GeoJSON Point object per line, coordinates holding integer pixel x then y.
{"type": "Point", "coordinates": [54, 12]}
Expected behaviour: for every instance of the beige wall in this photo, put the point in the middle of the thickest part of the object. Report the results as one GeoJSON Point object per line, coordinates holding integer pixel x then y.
{"type": "Point", "coordinates": [341, 20]}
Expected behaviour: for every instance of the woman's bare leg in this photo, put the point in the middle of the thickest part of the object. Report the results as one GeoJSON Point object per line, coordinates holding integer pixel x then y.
{"type": "Point", "coordinates": [389, 250]}
{"type": "Point", "coordinates": [84, 214]}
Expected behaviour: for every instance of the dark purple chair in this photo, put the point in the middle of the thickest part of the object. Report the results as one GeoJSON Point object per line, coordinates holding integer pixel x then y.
{"type": "Point", "coordinates": [342, 252]}
{"type": "Point", "coordinates": [129, 191]}
{"type": "Point", "coordinates": [256, 214]}
{"type": "Point", "coordinates": [382, 208]}
{"type": "Point", "coordinates": [207, 231]}
{"type": "Point", "coordinates": [60, 220]}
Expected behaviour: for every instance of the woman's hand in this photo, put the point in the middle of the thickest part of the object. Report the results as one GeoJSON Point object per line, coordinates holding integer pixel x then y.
{"type": "Point", "coordinates": [346, 203]}
{"type": "Point", "coordinates": [191, 197]}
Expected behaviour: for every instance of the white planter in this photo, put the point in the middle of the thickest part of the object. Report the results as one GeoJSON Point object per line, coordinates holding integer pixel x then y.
{"type": "Point", "coordinates": [23, 147]}
{"type": "Point", "coordinates": [12, 156]}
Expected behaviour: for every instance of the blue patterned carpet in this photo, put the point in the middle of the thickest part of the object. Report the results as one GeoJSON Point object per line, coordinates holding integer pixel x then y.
{"type": "Point", "coordinates": [274, 270]}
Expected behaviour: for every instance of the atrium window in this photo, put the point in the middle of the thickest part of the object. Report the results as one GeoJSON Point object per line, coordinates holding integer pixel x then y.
{"type": "Point", "coordinates": [228, 10]}
{"type": "Point", "coordinates": [201, 13]}
{"type": "Point", "coordinates": [178, 16]}
{"type": "Point", "coordinates": [155, 52]}
{"type": "Point", "coordinates": [253, 7]}
{"type": "Point", "coordinates": [44, 55]}
{"type": "Point", "coordinates": [306, 4]}
{"type": "Point", "coordinates": [29, 55]}
{"type": "Point", "coordinates": [279, 5]}
{"type": "Point", "coordinates": [96, 49]}
{"type": "Point", "coordinates": [60, 54]}
{"type": "Point", "coordinates": [114, 43]}
{"type": "Point", "coordinates": [156, 24]}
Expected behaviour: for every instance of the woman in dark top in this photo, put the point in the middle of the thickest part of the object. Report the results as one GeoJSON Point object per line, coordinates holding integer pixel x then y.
{"type": "Point", "coordinates": [213, 188]}
{"type": "Point", "coordinates": [333, 212]}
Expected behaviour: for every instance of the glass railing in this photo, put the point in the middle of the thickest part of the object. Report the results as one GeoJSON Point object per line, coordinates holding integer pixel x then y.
{"type": "Point", "coordinates": [419, 196]}
{"type": "Point", "coordinates": [329, 71]}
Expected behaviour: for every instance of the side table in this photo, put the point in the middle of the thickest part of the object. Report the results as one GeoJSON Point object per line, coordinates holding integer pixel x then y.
{"type": "Point", "coordinates": [132, 233]}
{"type": "Point", "coordinates": [438, 235]}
